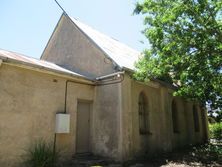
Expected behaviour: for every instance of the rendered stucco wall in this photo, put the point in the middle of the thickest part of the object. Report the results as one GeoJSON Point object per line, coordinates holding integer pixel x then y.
{"type": "Point", "coordinates": [179, 139]}
{"type": "Point", "coordinates": [29, 101]}
{"type": "Point", "coordinates": [70, 48]}
{"type": "Point", "coordinates": [187, 135]}
{"type": "Point", "coordinates": [162, 137]}
{"type": "Point", "coordinates": [126, 118]}
{"type": "Point", "coordinates": [107, 121]}
{"type": "Point", "coordinates": [159, 139]}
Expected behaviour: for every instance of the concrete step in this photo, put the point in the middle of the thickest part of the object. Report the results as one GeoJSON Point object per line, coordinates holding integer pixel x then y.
{"type": "Point", "coordinates": [90, 160]}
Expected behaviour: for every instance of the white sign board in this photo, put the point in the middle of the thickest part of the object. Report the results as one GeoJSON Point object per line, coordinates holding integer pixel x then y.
{"type": "Point", "coordinates": [62, 124]}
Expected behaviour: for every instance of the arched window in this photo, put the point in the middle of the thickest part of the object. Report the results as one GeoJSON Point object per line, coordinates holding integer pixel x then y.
{"type": "Point", "coordinates": [175, 117]}
{"type": "Point", "coordinates": [196, 119]}
{"type": "Point", "coordinates": [143, 114]}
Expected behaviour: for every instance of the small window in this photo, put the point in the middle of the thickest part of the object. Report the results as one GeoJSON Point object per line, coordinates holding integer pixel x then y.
{"type": "Point", "coordinates": [175, 117]}
{"type": "Point", "coordinates": [143, 114]}
{"type": "Point", "coordinates": [196, 119]}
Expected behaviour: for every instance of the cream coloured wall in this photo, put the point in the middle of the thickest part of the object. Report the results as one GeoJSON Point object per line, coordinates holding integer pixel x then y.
{"type": "Point", "coordinates": [133, 143]}
{"type": "Point", "coordinates": [116, 106]}
{"type": "Point", "coordinates": [107, 121]}
{"type": "Point", "coordinates": [179, 139]}
{"type": "Point", "coordinates": [29, 101]}
{"type": "Point", "coordinates": [187, 135]}
{"type": "Point", "coordinates": [70, 48]}
{"type": "Point", "coordinates": [161, 137]}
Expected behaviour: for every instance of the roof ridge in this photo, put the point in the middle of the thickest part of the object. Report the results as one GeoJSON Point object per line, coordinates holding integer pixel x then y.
{"type": "Point", "coordinates": [102, 33]}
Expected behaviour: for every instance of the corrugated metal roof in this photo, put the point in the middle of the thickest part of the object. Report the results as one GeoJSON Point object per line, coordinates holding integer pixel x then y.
{"type": "Point", "coordinates": [36, 62]}
{"type": "Point", "coordinates": [121, 54]}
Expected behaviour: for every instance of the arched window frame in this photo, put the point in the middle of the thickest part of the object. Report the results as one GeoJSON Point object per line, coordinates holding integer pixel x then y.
{"type": "Point", "coordinates": [196, 119]}
{"type": "Point", "coordinates": [143, 111]}
{"type": "Point", "coordinates": [175, 116]}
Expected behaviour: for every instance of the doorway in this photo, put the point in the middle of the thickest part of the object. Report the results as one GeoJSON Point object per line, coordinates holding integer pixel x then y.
{"type": "Point", "coordinates": [83, 127]}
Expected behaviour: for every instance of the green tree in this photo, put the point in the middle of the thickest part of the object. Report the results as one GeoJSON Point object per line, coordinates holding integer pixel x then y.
{"type": "Point", "coordinates": [186, 47]}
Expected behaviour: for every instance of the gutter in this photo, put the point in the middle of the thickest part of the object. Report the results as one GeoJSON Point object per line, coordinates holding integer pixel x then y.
{"type": "Point", "coordinates": [102, 80]}
{"type": "Point", "coordinates": [128, 69]}
{"type": "Point", "coordinates": [117, 74]}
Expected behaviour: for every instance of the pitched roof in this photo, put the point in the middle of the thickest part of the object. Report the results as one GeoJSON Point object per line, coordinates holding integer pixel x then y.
{"type": "Point", "coordinates": [19, 58]}
{"type": "Point", "coordinates": [121, 54]}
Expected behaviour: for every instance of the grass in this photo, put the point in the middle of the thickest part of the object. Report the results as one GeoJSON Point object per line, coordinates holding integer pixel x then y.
{"type": "Point", "coordinates": [216, 131]}
{"type": "Point", "coordinates": [41, 154]}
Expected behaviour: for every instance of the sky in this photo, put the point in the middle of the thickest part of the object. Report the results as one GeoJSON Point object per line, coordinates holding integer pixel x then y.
{"type": "Point", "coordinates": [26, 25]}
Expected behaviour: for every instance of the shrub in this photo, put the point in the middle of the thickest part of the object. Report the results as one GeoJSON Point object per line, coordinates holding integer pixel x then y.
{"type": "Point", "coordinates": [41, 154]}
{"type": "Point", "coordinates": [216, 131]}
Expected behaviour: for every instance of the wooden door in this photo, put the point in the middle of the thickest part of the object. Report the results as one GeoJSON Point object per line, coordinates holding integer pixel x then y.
{"type": "Point", "coordinates": [83, 127]}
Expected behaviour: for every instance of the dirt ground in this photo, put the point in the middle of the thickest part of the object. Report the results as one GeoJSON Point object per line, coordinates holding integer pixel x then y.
{"type": "Point", "coordinates": [190, 157]}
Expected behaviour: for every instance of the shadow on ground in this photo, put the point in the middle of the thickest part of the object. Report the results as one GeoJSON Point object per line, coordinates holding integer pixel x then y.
{"type": "Point", "coordinates": [204, 155]}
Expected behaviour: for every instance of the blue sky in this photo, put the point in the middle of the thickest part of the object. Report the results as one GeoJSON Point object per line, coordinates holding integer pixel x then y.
{"type": "Point", "coordinates": [26, 25]}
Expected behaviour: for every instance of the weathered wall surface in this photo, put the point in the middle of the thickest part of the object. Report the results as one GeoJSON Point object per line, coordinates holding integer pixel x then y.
{"type": "Point", "coordinates": [188, 131]}
{"type": "Point", "coordinates": [179, 139]}
{"type": "Point", "coordinates": [135, 144]}
{"type": "Point", "coordinates": [107, 121]}
{"type": "Point", "coordinates": [161, 137]}
{"type": "Point", "coordinates": [158, 140]}
{"type": "Point", "coordinates": [70, 48]}
{"type": "Point", "coordinates": [127, 120]}
{"type": "Point", "coordinates": [29, 101]}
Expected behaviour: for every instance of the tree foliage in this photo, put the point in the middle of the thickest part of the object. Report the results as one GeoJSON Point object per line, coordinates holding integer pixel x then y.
{"type": "Point", "coordinates": [186, 47]}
